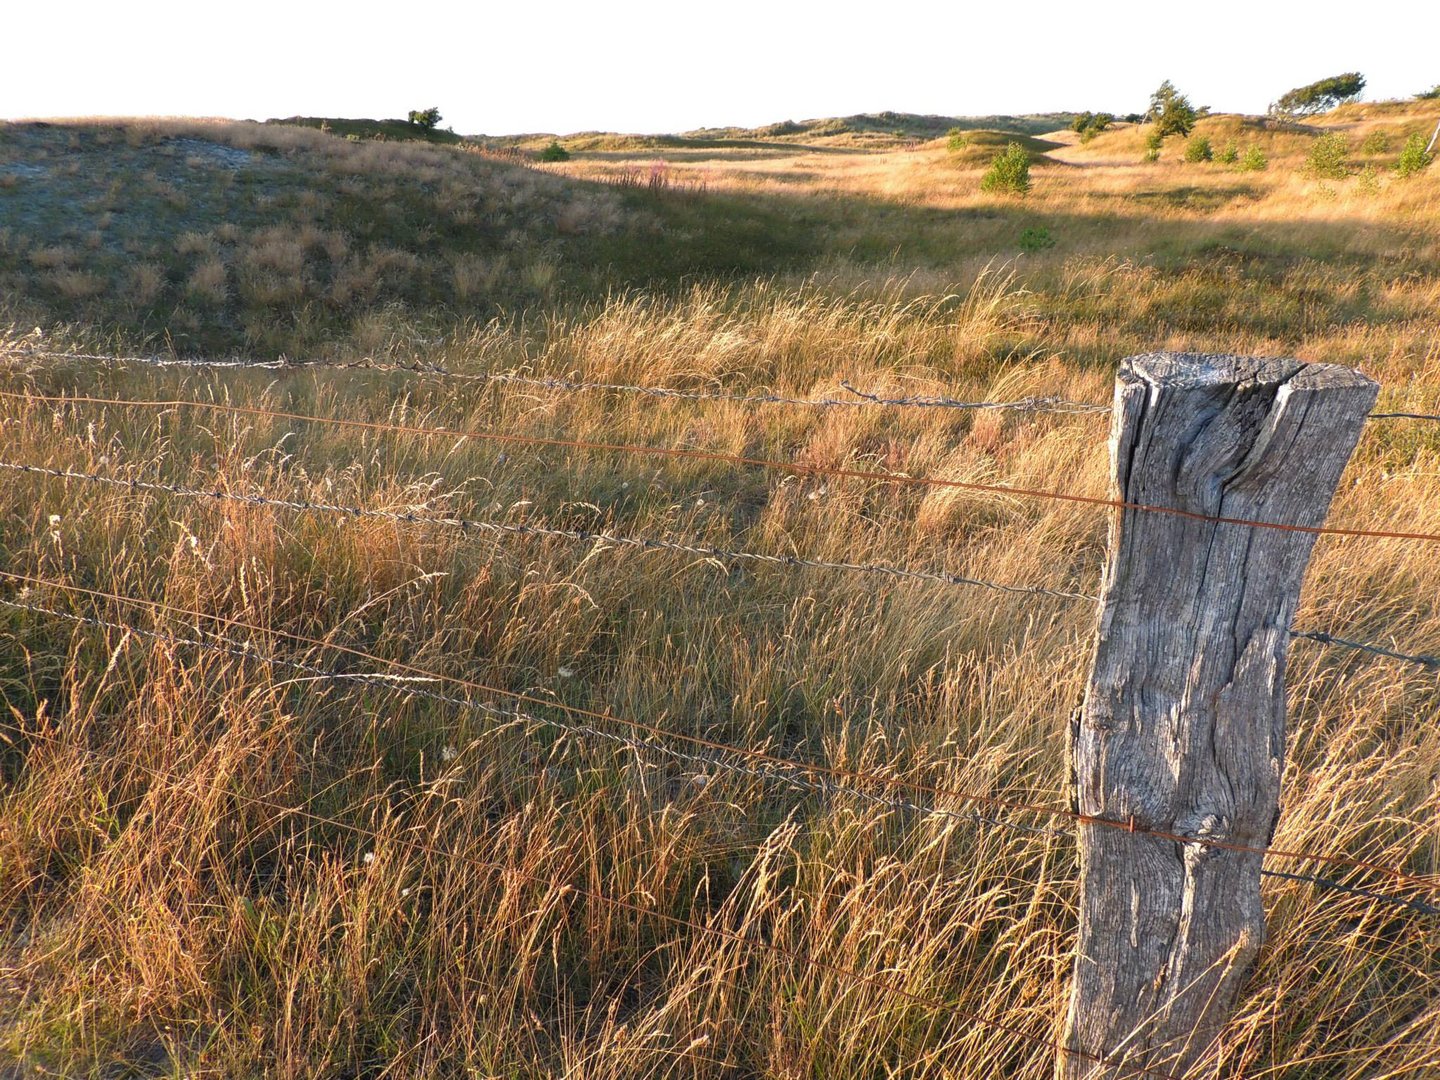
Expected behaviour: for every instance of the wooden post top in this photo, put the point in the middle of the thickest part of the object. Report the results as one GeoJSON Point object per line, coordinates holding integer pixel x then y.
{"type": "Point", "coordinates": [1186, 370]}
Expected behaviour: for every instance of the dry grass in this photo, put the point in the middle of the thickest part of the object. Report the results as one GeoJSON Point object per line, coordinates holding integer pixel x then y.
{"type": "Point", "coordinates": [214, 867]}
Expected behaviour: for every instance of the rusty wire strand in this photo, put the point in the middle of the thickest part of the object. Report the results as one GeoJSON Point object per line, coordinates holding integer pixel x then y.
{"type": "Point", "coordinates": [474, 525]}
{"type": "Point", "coordinates": [1033, 404]}
{"type": "Point", "coordinates": [694, 454]}
{"type": "Point", "coordinates": [587, 536]}
{"type": "Point", "coordinates": [541, 382]}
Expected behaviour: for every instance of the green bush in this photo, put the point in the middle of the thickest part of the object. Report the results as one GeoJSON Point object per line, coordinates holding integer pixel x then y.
{"type": "Point", "coordinates": [957, 139]}
{"type": "Point", "coordinates": [425, 119]}
{"type": "Point", "coordinates": [1368, 181]}
{"type": "Point", "coordinates": [1328, 157]}
{"type": "Point", "coordinates": [555, 152]}
{"type": "Point", "coordinates": [1153, 142]}
{"type": "Point", "coordinates": [1377, 142]}
{"type": "Point", "coordinates": [1198, 149]}
{"type": "Point", "coordinates": [1253, 160]}
{"type": "Point", "coordinates": [1430, 95]}
{"type": "Point", "coordinates": [1036, 238]}
{"type": "Point", "coordinates": [1229, 154]}
{"type": "Point", "coordinates": [1089, 124]}
{"type": "Point", "coordinates": [1413, 157]}
{"type": "Point", "coordinates": [1009, 171]}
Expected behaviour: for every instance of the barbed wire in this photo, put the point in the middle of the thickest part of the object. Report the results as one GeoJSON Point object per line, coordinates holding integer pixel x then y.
{"type": "Point", "coordinates": [703, 928]}
{"type": "Point", "coordinates": [833, 777]}
{"type": "Point", "coordinates": [547, 532]}
{"type": "Point", "coordinates": [1429, 662]}
{"type": "Point", "coordinates": [1034, 404]}
{"type": "Point", "coordinates": [1403, 416]}
{"type": "Point", "coordinates": [633, 542]}
{"type": "Point", "coordinates": [404, 685]}
{"type": "Point", "coordinates": [693, 454]}
{"type": "Point", "coordinates": [540, 382]}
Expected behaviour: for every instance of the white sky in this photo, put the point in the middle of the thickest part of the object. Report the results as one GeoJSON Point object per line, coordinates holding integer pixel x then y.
{"type": "Point", "coordinates": [645, 65]}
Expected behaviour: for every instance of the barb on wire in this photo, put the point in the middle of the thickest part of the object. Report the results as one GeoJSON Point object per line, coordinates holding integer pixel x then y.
{"type": "Point", "coordinates": [539, 531]}
{"type": "Point", "coordinates": [794, 775]}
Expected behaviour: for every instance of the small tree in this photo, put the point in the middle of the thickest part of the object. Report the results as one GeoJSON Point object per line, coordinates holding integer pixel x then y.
{"type": "Point", "coordinates": [1320, 96]}
{"type": "Point", "coordinates": [1009, 171]}
{"type": "Point", "coordinates": [425, 119]}
{"type": "Point", "coordinates": [1413, 157]}
{"type": "Point", "coordinates": [555, 152]}
{"type": "Point", "coordinates": [1171, 111]}
{"type": "Point", "coordinates": [1430, 95]}
{"type": "Point", "coordinates": [1229, 154]}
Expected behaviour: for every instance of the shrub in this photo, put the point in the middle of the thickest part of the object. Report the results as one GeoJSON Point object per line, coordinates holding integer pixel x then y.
{"type": "Point", "coordinates": [1368, 182]}
{"type": "Point", "coordinates": [1253, 160]}
{"type": "Point", "coordinates": [555, 152]}
{"type": "Point", "coordinates": [957, 139]}
{"type": "Point", "coordinates": [1198, 149]}
{"type": "Point", "coordinates": [1090, 124]}
{"type": "Point", "coordinates": [1009, 171]}
{"type": "Point", "coordinates": [1320, 96]}
{"type": "Point", "coordinates": [1377, 142]}
{"type": "Point", "coordinates": [1413, 157]}
{"type": "Point", "coordinates": [1153, 142]}
{"type": "Point", "coordinates": [1229, 154]}
{"type": "Point", "coordinates": [425, 119]}
{"type": "Point", "coordinates": [1327, 157]}
{"type": "Point", "coordinates": [1432, 94]}
{"type": "Point", "coordinates": [1171, 111]}
{"type": "Point", "coordinates": [1036, 238]}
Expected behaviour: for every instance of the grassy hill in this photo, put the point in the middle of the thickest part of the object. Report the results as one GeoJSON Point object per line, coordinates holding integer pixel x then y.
{"type": "Point", "coordinates": [978, 146]}
{"type": "Point", "coordinates": [204, 237]}
{"type": "Point", "coordinates": [347, 127]}
{"type": "Point", "coordinates": [868, 129]}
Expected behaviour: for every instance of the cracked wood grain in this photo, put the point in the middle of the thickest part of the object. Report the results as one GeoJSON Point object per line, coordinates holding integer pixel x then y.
{"type": "Point", "coordinates": [1183, 724]}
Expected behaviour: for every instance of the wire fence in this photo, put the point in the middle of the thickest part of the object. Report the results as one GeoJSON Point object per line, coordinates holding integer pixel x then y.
{"type": "Point", "coordinates": [858, 398]}
{"type": "Point", "coordinates": [1033, 404]}
{"type": "Point", "coordinates": [794, 468]}
{"type": "Point", "coordinates": [604, 538]}
{"type": "Point", "coordinates": [807, 775]}
{"type": "Point", "coordinates": [888, 793]}
{"type": "Point", "coordinates": [407, 840]}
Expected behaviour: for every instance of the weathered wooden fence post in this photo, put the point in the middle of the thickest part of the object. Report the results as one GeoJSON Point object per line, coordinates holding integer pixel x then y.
{"type": "Point", "coordinates": [1182, 729]}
